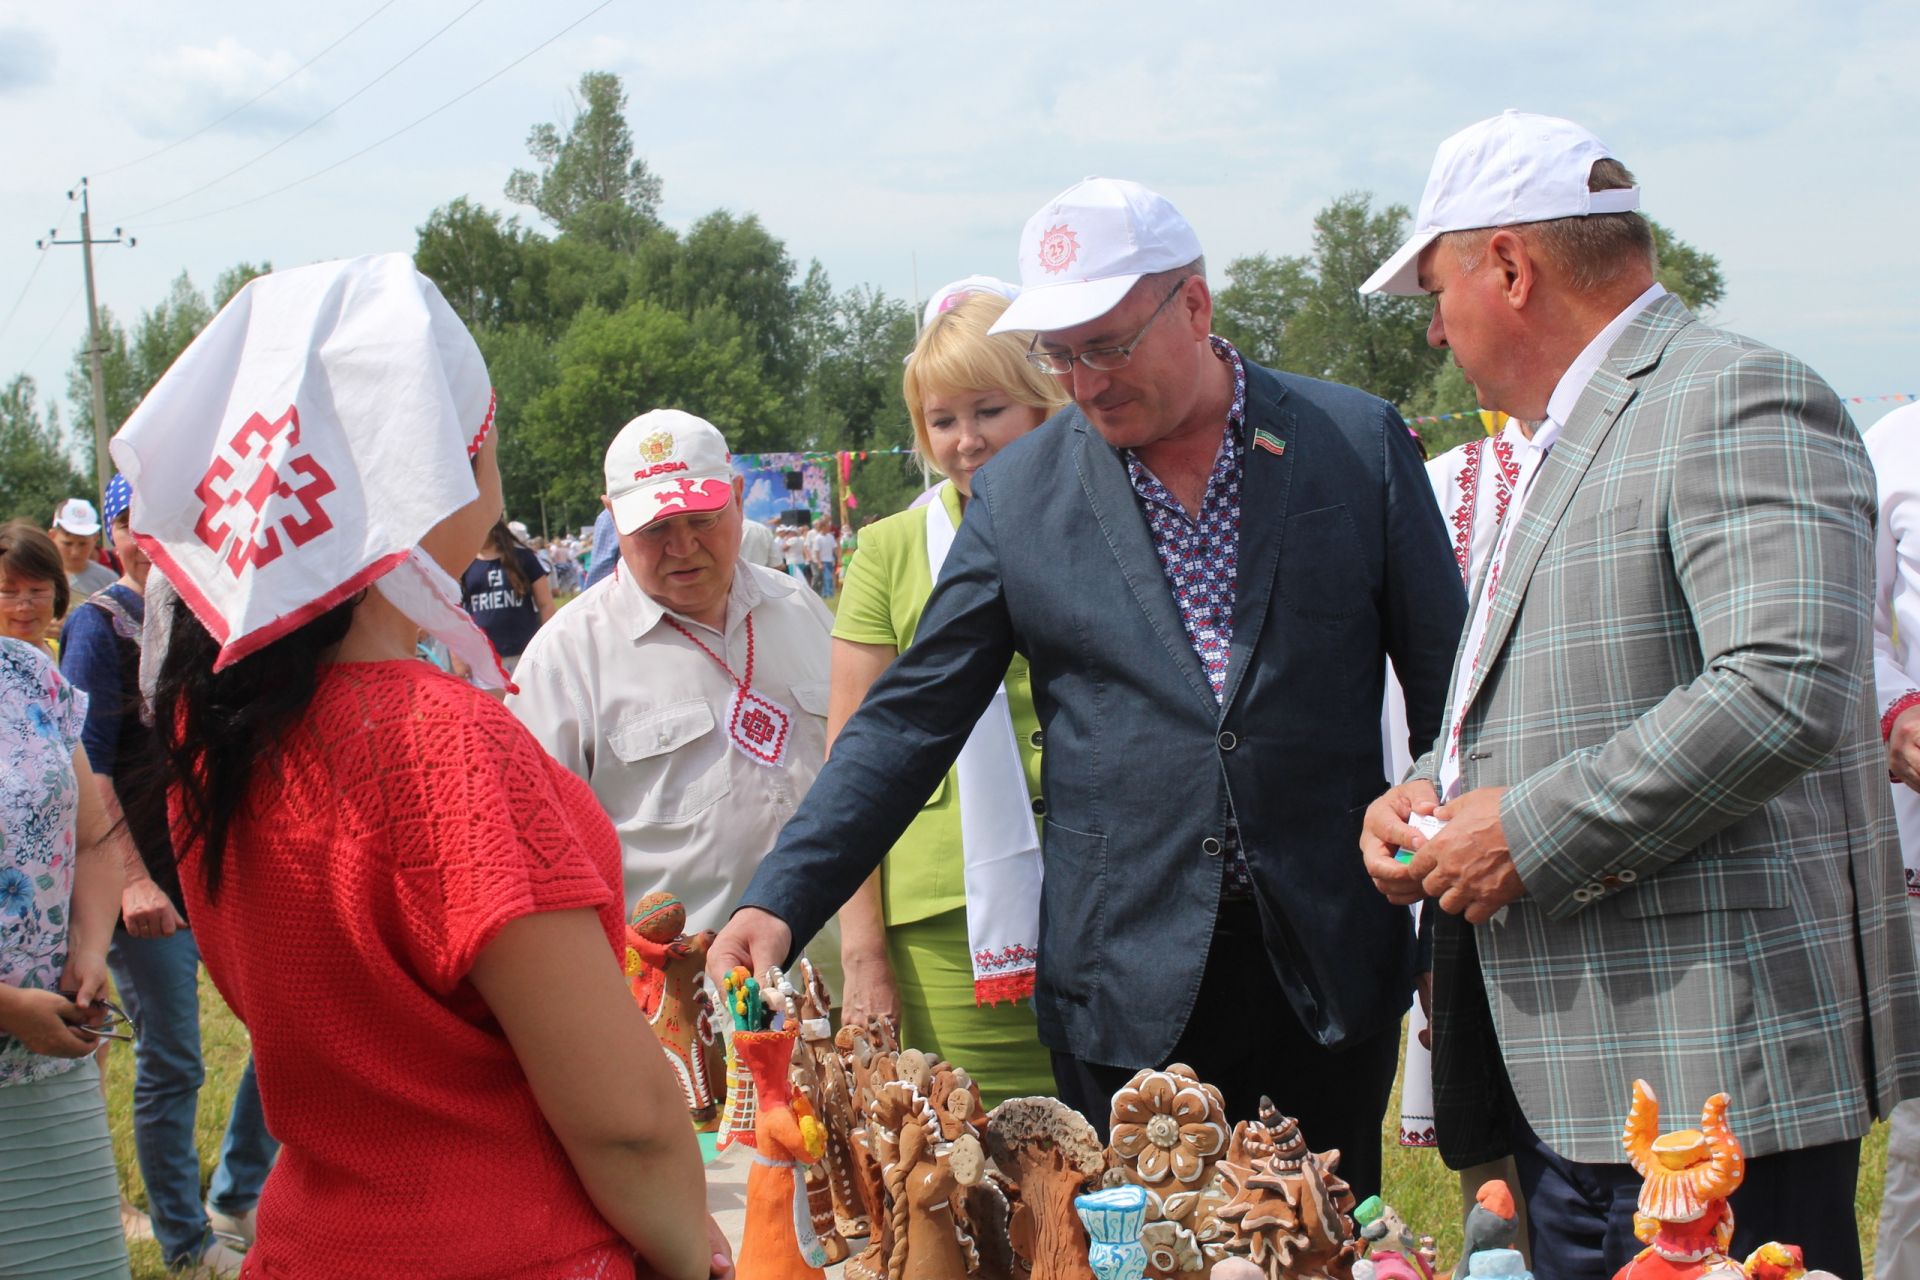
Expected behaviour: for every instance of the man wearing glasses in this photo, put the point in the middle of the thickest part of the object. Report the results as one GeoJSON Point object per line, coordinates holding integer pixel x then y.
{"type": "Point", "coordinates": [1206, 564]}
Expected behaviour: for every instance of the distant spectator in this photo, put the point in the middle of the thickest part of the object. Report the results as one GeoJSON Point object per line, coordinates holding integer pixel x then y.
{"type": "Point", "coordinates": [76, 533]}
{"type": "Point", "coordinates": [506, 591]}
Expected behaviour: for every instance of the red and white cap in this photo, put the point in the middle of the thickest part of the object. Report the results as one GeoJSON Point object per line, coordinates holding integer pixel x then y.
{"type": "Point", "coordinates": [1087, 246]}
{"type": "Point", "coordinates": [667, 463]}
{"type": "Point", "coordinates": [1516, 167]}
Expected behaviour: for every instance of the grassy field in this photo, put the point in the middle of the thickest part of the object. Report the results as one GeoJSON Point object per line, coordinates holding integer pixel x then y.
{"type": "Point", "coordinates": [1424, 1191]}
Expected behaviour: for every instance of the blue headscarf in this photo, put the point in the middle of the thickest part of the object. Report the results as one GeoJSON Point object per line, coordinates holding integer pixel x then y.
{"type": "Point", "coordinates": [116, 500]}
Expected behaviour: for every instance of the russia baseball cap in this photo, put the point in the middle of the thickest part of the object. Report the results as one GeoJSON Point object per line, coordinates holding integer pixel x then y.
{"type": "Point", "coordinates": [77, 516]}
{"type": "Point", "coordinates": [667, 463]}
{"type": "Point", "coordinates": [1516, 167]}
{"type": "Point", "coordinates": [1087, 246]}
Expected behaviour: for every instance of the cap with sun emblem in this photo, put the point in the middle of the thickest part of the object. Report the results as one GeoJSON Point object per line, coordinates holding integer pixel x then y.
{"type": "Point", "coordinates": [667, 463]}
{"type": "Point", "coordinates": [1088, 246]}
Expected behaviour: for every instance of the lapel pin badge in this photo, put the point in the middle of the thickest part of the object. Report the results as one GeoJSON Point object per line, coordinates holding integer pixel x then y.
{"type": "Point", "coordinates": [1273, 444]}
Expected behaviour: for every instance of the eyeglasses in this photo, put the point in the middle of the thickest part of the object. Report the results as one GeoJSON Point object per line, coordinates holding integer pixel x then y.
{"type": "Point", "coordinates": [36, 597]}
{"type": "Point", "coordinates": [117, 1018]}
{"type": "Point", "coordinates": [702, 523]}
{"type": "Point", "coordinates": [1100, 359]}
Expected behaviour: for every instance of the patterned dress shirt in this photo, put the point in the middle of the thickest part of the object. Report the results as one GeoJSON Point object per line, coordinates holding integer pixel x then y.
{"type": "Point", "coordinates": [1201, 558]}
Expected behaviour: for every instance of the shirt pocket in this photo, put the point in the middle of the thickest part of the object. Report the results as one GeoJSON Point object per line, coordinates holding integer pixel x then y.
{"type": "Point", "coordinates": [681, 761]}
{"type": "Point", "coordinates": [812, 697]}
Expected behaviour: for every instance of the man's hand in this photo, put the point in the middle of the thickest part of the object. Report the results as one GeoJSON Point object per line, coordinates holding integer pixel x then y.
{"type": "Point", "coordinates": [753, 940]}
{"type": "Point", "coordinates": [1903, 748]}
{"type": "Point", "coordinates": [1385, 832]}
{"type": "Point", "coordinates": [146, 912]}
{"type": "Point", "coordinates": [1468, 866]}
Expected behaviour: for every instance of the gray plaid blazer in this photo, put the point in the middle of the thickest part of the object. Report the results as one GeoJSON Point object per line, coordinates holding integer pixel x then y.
{"type": "Point", "coordinates": [1678, 695]}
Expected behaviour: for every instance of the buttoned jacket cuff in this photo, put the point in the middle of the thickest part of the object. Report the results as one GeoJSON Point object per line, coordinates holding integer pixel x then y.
{"type": "Point", "coordinates": [1544, 831]}
{"type": "Point", "coordinates": [1424, 770]}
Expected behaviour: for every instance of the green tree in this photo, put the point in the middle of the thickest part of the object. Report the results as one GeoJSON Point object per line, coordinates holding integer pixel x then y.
{"type": "Point", "coordinates": [122, 383]}
{"type": "Point", "coordinates": [520, 363]}
{"type": "Point", "coordinates": [1688, 273]}
{"type": "Point", "coordinates": [1307, 315]}
{"type": "Point", "coordinates": [590, 182]}
{"type": "Point", "coordinates": [730, 262]}
{"type": "Point", "coordinates": [164, 332]}
{"type": "Point", "coordinates": [230, 281]}
{"type": "Point", "coordinates": [491, 270]}
{"type": "Point", "coordinates": [610, 366]}
{"type": "Point", "coordinates": [854, 343]}
{"type": "Point", "coordinates": [35, 472]}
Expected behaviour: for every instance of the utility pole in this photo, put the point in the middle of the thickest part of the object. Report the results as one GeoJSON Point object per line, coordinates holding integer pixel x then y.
{"type": "Point", "coordinates": [102, 463]}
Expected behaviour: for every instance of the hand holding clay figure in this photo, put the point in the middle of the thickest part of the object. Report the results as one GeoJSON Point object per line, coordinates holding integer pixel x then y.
{"type": "Point", "coordinates": [753, 940]}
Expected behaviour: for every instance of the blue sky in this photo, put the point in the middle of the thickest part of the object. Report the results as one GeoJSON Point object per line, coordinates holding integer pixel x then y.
{"type": "Point", "coordinates": [903, 144]}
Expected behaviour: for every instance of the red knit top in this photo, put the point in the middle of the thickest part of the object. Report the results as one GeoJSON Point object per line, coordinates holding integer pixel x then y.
{"type": "Point", "coordinates": [406, 820]}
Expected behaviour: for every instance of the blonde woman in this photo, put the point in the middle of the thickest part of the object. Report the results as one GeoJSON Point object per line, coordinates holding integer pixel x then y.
{"type": "Point", "coordinates": [925, 939]}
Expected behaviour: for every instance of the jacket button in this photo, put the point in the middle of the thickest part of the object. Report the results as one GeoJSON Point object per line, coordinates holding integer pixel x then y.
{"type": "Point", "coordinates": [1211, 846]}
{"type": "Point", "coordinates": [1611, 881]}
{"type": "Point", "coordinates": [1038, 738]}
{"type": "Point", "coordinates": [1227, 741]}
{"type": "Point", "coordinates": [1039, 806]}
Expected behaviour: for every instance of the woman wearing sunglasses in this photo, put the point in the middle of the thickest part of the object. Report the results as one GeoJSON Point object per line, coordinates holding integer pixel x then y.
{"type": "Point", "coordinates": [59, 895]}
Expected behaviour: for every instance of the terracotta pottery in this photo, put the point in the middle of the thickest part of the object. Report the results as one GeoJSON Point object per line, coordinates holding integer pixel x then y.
{"type": "Point", "coordinates": [778, 1240]}
{"type": "Point", "coordinates": [1686, 1176]}
{"type": "Point", "coordinates": [665, 966]}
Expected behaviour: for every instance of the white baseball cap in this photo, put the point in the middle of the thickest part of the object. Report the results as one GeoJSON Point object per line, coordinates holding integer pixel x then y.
{"type": "Point", "coordinates": [667, 463]}
{"type": "Point", "coordinates": [1516, 167]}
{"type": "Point", "coordinates": [1087, 246]}
{"type": "Point", "coordinates": [77, 516]}
{"type": "Point", "coordinates": [949, 296]}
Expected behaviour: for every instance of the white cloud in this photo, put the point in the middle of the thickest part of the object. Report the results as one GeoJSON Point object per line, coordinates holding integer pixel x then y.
{"type": "Point", "coordinates": [183, 89]}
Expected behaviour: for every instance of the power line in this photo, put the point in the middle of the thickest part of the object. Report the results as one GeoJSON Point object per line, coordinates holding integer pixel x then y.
{"type": "Point", "coordinates": [250, 101]}
{"type": "Point", "coordinates": [66, 211]}
{"type": "Point", "coordinates": [167, 204]}
{"type": "Point", "coordinates": [268, 195]}
{"type": "Point", "coordinates": [54, 327]}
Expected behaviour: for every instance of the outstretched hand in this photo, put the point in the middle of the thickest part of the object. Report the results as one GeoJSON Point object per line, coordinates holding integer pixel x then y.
{"type": "Point", "coordinates": [753, 940]}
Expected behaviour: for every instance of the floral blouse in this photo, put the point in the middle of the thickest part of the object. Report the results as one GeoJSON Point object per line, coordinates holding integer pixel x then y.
{"type": "Point", "coordinates": [41, 716]}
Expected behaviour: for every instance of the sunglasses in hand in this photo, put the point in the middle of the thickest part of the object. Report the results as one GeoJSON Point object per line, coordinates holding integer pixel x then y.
{"type": "Point", "coordinates": [115, 1025]}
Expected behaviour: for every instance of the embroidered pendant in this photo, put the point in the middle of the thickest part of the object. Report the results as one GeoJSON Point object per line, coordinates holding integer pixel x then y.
{"type": "Point", "coordinates": [758, 727]}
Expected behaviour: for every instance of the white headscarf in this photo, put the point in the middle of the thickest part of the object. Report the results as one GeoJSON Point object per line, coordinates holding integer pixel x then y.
{"type": "Point", "coordinates": [302, 446]}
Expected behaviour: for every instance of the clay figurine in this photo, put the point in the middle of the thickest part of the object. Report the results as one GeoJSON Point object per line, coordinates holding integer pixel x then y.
{"type": "Point", "coordinates": [1392, 1251]}
{"type": "Point", "coordinates": [1114, 1219]}
{"type": "Point", "coordinates": [1168, 1131]}
{"type": "Point", "coordinates": [1492, 1223]}
{"type": "Point", "coordinates": [834, 1103]}
{"type": "Point", "coordinates": [1497, 1264]}
{"type": "Point", "coordinates": [1776, 1261]}
{"type": "Point", "coordinates": [1683, 1215]}
{"type": "Point", "coordinates": [1051, 1153]}
{"type": "Point", "coordinates": [778, 1241]}
{"type": "Point", "coordinates": [805, 1079]}
{"type": "Point", "coordinates": [665, 965]}
{"type": "Point", "coordinates": [1289, 1209]}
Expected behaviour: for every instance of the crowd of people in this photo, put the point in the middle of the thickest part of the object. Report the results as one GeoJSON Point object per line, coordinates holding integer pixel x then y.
{"type": "Point", "coordinates": [1132, 742]}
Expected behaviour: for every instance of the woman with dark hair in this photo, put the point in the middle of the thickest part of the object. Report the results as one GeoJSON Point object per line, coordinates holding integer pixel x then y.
{"type": "Point", "coordinates": [33, 585]}
{"type": "Point", "coordinates": [506, 590]}
{"type": "Point", "coordinates": [416, 913]}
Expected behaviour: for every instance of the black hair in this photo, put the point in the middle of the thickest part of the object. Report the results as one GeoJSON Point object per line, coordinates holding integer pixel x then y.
{"type": "Point", "coordinates": [502, 539]}
{"type": "Point", "coordinates": [217, 727]}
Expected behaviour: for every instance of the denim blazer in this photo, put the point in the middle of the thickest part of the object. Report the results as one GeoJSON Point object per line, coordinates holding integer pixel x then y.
{"type": "Point", "coordinates": [1344, 562]}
